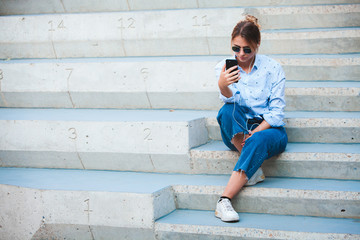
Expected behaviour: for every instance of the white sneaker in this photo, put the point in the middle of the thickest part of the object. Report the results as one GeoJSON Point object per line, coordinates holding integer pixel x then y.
{"type": "Point", "coordinates": [257, 177]}
{"type": "Point", "coordinates": [225, 211]}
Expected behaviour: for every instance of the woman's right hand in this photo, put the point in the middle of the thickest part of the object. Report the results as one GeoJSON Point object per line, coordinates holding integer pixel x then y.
{"type": "Point", "coordinates": [227, 77]}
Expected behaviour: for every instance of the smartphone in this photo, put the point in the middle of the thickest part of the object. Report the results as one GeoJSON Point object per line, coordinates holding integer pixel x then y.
{"type": "Point", "coordinates": [230, 63]}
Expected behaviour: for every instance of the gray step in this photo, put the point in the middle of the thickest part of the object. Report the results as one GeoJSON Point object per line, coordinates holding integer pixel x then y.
{"type": "Point", "coordinates": [114, 83]}
{"type": "Point", "coordinates": [315, 127]}
{"type": "Point", "coordinates": [66, 6]}
{"type": "Point", "coordinates": [332, 161]}
{"type": "Point", "coordinates": [284, 196]}
{"type": "Point", "coordinates": [65, 200]}
{"type": "Point", "coordinates": [310, 41]}
{"type": "Point", "coordinates": [101, 139]}
{"type": "Point", "coordinates": [322, 96]}
{"type": "Point", "coordinates": [192, 224]}
{"type": "Point", "coordinates": [76, 204]}
{"type": "Point", "coordinates": [198, 33]}
{"type": "Point", "coordinates": [339, 67]}
{"type": "Point", "coordinates": [144, 83]}
{"type": "Point", "coordinates": [136, 140]}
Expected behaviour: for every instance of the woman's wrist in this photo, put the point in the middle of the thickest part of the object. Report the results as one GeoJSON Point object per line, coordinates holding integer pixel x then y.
{"type": "Point", "coordinates": [262, 126]}
{"type": "Point", "coordinates": [226, 91]}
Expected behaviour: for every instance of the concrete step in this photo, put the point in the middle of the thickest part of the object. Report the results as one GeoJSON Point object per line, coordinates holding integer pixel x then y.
{"type": "Point", "coordinates": [114, 83]}
{"type": "Point", "coordinates": [70, 6]}
{"type": "Point", "coordinates": [199, 33]}
{"type": "Point", "coordinates": [314, 127]}
{"type": "Point", "coordinates": [76, 204]}
{"type": "Point", "coordinates": [302, 160]}
{"type": "Point", "coordinates": [192, 224]}
{"type": "Point", "coordinates": [284, 196]}
{"type": "Point", "coordinates": [140, 83]}
{"type": "Point", "coordinates": [137, 140]}
{"type": "Point", "coordinates": [339, 67]}
{"type": "Point", "coordinates": [309, 41]}
{"type": "Point", "coordinates": [67, 200]}
{"type": "Point", "coordinates": [101, 139]}
{"type": "Point", "coordinates": [322, 96]}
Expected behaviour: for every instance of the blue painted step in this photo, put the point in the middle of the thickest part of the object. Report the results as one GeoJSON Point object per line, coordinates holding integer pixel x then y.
{"type": "Point", "coordinates": [183, 224]}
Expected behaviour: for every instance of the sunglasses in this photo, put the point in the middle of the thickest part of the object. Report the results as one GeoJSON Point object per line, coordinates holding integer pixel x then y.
{"type": "Point", "coordinates": [246, 50]}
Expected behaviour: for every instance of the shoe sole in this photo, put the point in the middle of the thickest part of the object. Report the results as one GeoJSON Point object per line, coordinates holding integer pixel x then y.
{"type": "Point", "coordinates": [224, 220]}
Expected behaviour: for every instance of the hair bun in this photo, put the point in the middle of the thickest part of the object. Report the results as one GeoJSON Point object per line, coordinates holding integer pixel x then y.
{"type": "Point", "coordinates": [252, 19]}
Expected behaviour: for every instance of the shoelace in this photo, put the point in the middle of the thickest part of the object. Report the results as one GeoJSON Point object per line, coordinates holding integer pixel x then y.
{"type": "Point", "coordinates": [227, 205]}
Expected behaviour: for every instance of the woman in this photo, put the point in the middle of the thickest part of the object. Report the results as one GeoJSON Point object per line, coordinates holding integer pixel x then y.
{"type": "Point", "coordinates": [251, 120]}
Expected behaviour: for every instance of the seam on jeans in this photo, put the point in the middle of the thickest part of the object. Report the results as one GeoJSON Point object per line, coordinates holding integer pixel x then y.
{"type": "Point", "coordinates": [254, 166]}
{"type": "Point", "coordinates": [226, 134]}
{"type": "Point", "coordinates": [285, 136]}
{"type": "Point", "coordinates": [241, 126]}
{"type": "Point", "coordinates": [268, 158]}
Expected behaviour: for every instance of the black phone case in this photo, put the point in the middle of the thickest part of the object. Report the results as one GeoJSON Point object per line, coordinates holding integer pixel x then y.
{"type": "Point", "coordinates": [230, 63]}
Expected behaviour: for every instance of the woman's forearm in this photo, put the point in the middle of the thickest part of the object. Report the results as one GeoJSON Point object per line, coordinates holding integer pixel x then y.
{"type": "Point", "coordinates": [263, 126]}
{"type": "Point", "coordinates": [226, 91]}
{"type": "Point", "coordinates": [227, 78]}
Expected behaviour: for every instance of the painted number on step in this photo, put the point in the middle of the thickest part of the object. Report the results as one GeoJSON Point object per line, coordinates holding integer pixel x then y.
{"type": "Point", "coordinates": [200, 21]}
{"type": "Point", "coordinates": [147, 133]}
{"type": "Point", "coordinates": [145, 73]}
{"type": "Point", "coordinates": [129, 23]}
{"type": "Point", "coordinates": [70, 72]}
{"type": "Point", "coordinates": [59, 25]}
{"type": "Point", "coordinates": [88, 210]}
{"type": "Point", "coordinates": [73, 134]}
{"type": "Point", "coordinates": [87, 201]}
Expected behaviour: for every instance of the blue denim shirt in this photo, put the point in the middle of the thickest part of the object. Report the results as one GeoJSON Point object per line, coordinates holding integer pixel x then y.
{"type": "Point", "coordinates": [262, 90]}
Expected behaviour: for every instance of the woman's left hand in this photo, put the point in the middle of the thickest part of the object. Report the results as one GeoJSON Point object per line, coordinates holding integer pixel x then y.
{"type": "Point", "coordinates": [262, 126]}
{"type": "Point", "coordinates": [247, 136]}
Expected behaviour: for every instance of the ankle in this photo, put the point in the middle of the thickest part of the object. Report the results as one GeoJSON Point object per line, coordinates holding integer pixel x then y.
{"type": "Point", "coordinates": [224, 197]}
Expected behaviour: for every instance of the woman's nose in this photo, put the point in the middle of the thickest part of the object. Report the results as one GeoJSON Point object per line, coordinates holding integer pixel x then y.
{"type": "Point", "coordinates": [241, 52]}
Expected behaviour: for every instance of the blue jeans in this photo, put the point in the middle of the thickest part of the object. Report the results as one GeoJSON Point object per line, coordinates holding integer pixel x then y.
{"type": "Point", "coordinates": [259, 147]}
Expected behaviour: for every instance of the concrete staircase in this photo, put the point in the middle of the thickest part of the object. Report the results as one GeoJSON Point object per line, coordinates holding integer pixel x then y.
{"type": "Point", "coordinates": [108, 120]}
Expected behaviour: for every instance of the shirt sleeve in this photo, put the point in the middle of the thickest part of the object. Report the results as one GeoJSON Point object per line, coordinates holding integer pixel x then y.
{"type": "Point", "coordinates": [275, 116]}
{"type": "Point", "coordinates": [234, 91]}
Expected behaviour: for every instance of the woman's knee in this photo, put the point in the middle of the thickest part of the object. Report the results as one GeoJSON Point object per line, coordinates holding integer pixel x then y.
{"type": "Point", "coordinates": [257, 139]}
{"type": "Point", "coordinates": [225, 113]}
{"type": "Point", "coordinates": [273, 140]}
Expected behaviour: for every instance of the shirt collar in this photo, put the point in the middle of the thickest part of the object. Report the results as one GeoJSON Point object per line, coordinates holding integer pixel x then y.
{"type": "Point", "coordinates": [257, 62]}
